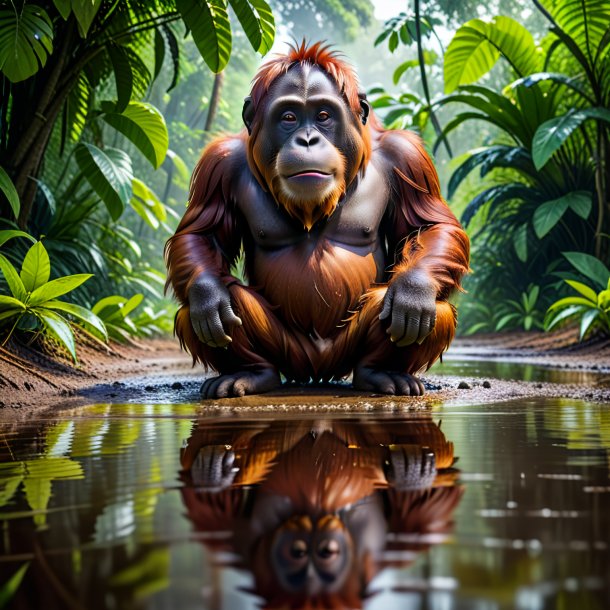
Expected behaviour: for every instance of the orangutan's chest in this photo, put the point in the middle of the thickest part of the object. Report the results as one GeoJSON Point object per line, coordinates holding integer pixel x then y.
{"type": "Point", "coordinates": [354, 222]}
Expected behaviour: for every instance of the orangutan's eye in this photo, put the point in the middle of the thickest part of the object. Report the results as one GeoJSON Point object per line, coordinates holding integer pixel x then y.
{"type": "Point", "coordinates": [289, 118]}
{"type": "Point", "coordinates": [323, 116]}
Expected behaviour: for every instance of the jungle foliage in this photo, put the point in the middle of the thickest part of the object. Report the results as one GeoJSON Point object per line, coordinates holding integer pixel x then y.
{"type": "Point", "coordinates": [77, 130]}
{"type": "Point", "coordinates": [106, 104]}
{"type": "Point", "coordinates": [541, 160]}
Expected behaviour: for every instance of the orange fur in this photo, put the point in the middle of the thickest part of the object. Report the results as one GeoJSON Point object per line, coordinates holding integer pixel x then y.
{"type": "Point", "coordinates": [313, 313]}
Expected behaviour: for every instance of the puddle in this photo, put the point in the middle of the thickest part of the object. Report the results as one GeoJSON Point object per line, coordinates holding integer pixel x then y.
{"type": "Point", "coordinates": [478, 507]}
{"type": "Point", "coordinates": [461, 366]}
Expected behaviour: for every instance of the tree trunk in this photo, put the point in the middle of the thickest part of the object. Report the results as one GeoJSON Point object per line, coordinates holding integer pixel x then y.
{"type": "Point", "coordinates": [214, 100]}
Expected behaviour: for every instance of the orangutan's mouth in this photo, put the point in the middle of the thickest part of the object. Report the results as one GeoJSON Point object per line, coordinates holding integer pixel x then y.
{"type": "Point", "coordinates": [311, 173]}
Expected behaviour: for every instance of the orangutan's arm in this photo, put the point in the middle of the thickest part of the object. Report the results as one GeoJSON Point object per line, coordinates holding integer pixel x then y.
{"type": "Point", "coordinates": [431, 248]}
{"type": "Point", "coordinates": [199, 255]}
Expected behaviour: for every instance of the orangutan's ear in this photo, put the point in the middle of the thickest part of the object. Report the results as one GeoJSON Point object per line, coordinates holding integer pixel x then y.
{"type": "Point", "coordinates": [247, 114]}
{"type": "Point", "coordinates": [366, 108]}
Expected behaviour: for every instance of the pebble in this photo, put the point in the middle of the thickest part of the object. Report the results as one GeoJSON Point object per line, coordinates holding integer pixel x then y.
{"type": "Point", "coordinates": [463, 386]}
{"type": "Point", "coordinates": [150, 388]}
{"type": "Point", "coordinates": [486, 384]}
{"type": "Point", "coordinates": [177, 385]}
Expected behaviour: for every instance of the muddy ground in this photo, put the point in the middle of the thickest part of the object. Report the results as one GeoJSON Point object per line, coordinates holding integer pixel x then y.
{"type": "Point", "coordinates": [156, 371]}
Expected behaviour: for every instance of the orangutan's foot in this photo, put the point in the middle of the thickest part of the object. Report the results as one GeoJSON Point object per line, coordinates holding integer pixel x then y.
{"type": "Point", "coordinates": [387, 382]}
{"type": "Point", "coordinates": [241, 383]}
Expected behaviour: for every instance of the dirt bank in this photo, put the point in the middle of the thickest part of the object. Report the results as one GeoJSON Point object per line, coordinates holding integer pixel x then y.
{"type": "Point", "coordinates": [156, 371]}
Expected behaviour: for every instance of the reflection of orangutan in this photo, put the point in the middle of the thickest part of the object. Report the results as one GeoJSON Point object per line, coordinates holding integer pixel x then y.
{"type": "Point", "coordinates": [346, 239]}
{"type": "Point", "coordinates": [315, 509]}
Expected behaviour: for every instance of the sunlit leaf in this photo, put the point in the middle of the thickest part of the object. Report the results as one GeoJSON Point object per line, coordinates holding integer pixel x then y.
{"type": "Point", "coordinates": [12, 234]}
{"type": "Point", "coordinates": [556, 315]}
{"type": "Point", "coordinates": [7, 302]}
{"type": "Point", "coordinates": [587, 292]}
{"type": "Point", "coordinates": [59, 329]}
{"type": "Point", "coordinates": [208, 21]}
{"type": "Point", "coordinates": [478, 44]}
{"type": "Point", "coordinates": [587, 320]}
{"type": "Point", "coordinates": [12, 278]}
{"type": "Point", "coordinates": [36, 267]}
{"type": "Point", "coordinates": [144, 125]}
{"type": "Point", "coordinates": [56, 288]}
{"type": "Point", "coordinates": [109, 173]}
{"type": "Point", "coordinates": [80, 313]}
{"type": "Point", "coordinates": [257, 21]}
{"type": "Point", "coordinates": [76, 108]}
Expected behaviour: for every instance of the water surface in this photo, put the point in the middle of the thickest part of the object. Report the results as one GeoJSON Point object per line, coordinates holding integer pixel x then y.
{"type": "Point", "coordinates": [170, 506]}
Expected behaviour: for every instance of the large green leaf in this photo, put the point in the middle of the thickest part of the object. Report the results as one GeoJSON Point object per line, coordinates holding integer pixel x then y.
{"type": "Point", "coordinates": [7, 302]}
{"type": "Point", "coordinates": [478, 44]}
{"type": "Point", "coordinates": [587, 320]}
{"type": "Point", "coordinates": [10, 192]}
{"type": "Point", "coordinates": [550, 213]}
{"type": "Point", "coordinates": [520, 242]}
{"type": "Point", "coordinates": [109, 173]}
{"type": "Point", "coordinates": [144, 125]}
{"type": "Point", "coordinates": [36, 267]}
{"type": "Point", "coordinates": [81, 313]}
{"type": "Point", "coordinates": [59, 329]}
{"type": "Point", "coordinates": [85, 12]}
{"type": "Point", "coordinates": [12, 278]}
{"type": "Point", "coordinates": [257, 21]}
{"type": "Point", "coordinates": [76, 109]}
{"type": "Point", "coordinates": [123, 76]}
{"type": "Point", "coordinates": [585, 21]}
{"type": "Point", "coordinates": [55, 288]}
{"type": "Point", "coordinates": [208, 21]}
{"type": "Point", "coordinates": [554, 132]}
{"type": "Point", "coordinates": [26, 41]}
{"type": "Point", "coordinates": [591, 267]}
{"type": "Point", "coordinates": [11, 234]}
{"type": "Point", "coordinates": [583, 289]}
{"type": "Point", "coordinates": [147, 204]}
{"type": "Point", "coordinates": [64, 7]}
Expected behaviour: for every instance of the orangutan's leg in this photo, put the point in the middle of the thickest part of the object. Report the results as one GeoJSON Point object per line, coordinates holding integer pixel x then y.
{"type": "Point", "coordinates": [383, 367]}
{"type": "Point", "coordinates": [260, 348]}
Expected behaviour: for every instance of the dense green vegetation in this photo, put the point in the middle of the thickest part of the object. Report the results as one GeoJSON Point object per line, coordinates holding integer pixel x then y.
{"type": "Point", "coordinates": [106, 105]}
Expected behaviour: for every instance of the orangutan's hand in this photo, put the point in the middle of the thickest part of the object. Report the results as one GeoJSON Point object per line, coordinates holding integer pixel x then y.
{"type": "Point", "coordinates": [410, 301]}
{"type": "Point", "coordinates": [410, 467]}
{"type": "Point", "coordinates": [212, 316]}
{"type": "Point", "coordinates": [213, 468]}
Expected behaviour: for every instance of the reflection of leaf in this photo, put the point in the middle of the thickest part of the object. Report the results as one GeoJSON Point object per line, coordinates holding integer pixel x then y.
{"type": "Point", "coordinates": [38, 494]}
{"type": "Point", "coordinates": [148, 490]}
{"type": "Point", "coordinates": [59, 438]}
{"type": "Point", "coordinates": [147, 575]}
{"type": "Point", "coordinates": [87, 437]}
{"type": "Point", "coordinates": [10, 587]}
{"type": "Point", "coordinates": [120, 435]}
{"type": "Point", "coordinates": [8, 489]}
{"type": "Point", "coordinates": [37, 482]}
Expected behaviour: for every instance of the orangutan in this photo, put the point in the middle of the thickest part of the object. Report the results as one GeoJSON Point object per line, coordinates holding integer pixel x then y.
{"type": "Point", "coordinates": [315, 508]}
{"type": "Point", "coordinates": [350, 251]}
